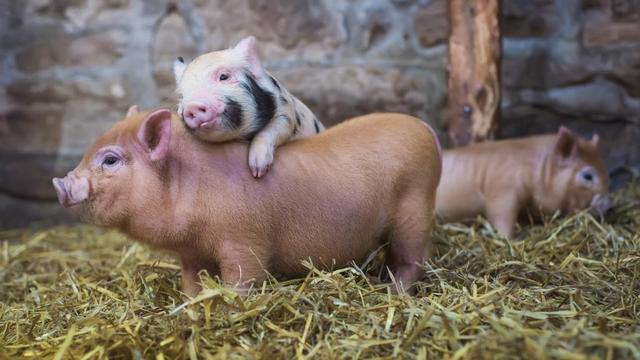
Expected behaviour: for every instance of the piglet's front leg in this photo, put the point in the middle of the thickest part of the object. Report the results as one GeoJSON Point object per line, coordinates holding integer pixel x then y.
{"type": "Point", "coordinates": [502, 212]}
{"type": "Point", "coordinates": [242, 265]}
{"type": "Point", "coordinates": [191, 267]}
{"type": "Point", "coordinates": [263, 146]}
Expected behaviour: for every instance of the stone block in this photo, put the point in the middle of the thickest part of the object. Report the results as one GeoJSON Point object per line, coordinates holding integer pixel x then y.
{"type": "Point", "coordinates": [60, 51]}
{"type": "Point", "coordinates": [431, 23]}
{"type": "Point", "coordinates": [32, 130]}
{"type": "Point", "coordinates": [525, 18]}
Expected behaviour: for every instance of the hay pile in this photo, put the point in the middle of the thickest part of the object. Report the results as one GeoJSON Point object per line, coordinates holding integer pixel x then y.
{"type": "Point", "coordinates": [566, 289]}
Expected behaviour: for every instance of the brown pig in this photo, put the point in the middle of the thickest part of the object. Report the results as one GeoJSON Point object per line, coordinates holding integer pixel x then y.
{"type": "Point", "coordinates": [333, 198]}
{"type": "Point", "coordinates": [540, 174]}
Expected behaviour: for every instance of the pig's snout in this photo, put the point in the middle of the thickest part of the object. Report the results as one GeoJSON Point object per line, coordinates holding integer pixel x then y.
{"type": "Point", "coordinates": [601, 204]}
{"type": "Point", "coordinates": [202, 115]}
{"type": "Point", "coordinates": [71, 190]}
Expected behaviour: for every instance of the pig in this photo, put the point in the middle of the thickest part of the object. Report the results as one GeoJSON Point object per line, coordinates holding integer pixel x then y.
{"type": "Point", "coordinates": [228, 95]}
{"type": "Point", "coordinates": [539, 175]}
{"type": "Point", "coordinates": [333, 198]}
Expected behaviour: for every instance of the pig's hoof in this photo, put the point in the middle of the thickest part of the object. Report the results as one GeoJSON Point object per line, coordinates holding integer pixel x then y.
{"type": "Point", "coordinates": [260, 162]}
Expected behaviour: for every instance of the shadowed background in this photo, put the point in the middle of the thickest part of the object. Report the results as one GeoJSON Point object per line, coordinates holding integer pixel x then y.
{"type": "Point", "coordinates": [70, 68]}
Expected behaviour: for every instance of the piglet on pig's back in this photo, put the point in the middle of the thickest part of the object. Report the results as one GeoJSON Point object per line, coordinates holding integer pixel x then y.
{"type": "Point", "coordinates": [228, 95]}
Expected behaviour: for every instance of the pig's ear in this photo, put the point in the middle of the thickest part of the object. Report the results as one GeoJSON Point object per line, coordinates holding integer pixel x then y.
{"type": "Point", "coordinates": [133, 109]}
{"type": "Point", "coordinates": [566, 143]}
{"type": "Point", "coordinates": [154, 134]}
{"type": "Point", "coordinates": [595, 139]}
{"type": "Point", "coordinates": [246, 48]}
{"type": "Point", "coordinates": [178, 68]}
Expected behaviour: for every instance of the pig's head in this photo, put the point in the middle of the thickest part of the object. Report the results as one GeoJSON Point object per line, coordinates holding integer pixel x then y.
{"type": "Point", "coordinates": [577, 178]}
{"type": "Point", "coordinates": [225, 94]}
{"type": "Point", "coordinates": [126, 159]}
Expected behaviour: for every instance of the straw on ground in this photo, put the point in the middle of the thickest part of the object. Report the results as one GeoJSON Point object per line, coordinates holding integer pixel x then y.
{"type": "Point", "coordinates": [567, 289]}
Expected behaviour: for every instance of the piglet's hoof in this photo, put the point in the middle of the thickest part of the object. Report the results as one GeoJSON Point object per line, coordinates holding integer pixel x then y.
{"type": "Point", "coordinates": [260, 160]}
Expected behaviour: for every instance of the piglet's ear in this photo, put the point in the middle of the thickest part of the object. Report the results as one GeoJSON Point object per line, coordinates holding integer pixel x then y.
{"type": "Point", "coordinates": [246, 48]}
{"type": "Point", "coordinates": [595, 139]}
{"type": "Point", "coordinates": [178, 68]}
{"type": "Point", "coordinates": [133, 109]}
{"type": "Point", "coordinates": [566, 143]}
{"type": "Point", "coordinates": [154, 134]}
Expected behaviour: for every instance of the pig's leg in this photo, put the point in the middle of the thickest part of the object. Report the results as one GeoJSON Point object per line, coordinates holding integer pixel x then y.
{"type": "Point", "coordinates": [242, 266]}
{"type": "Point", "coordinates": [410, 241]}
{"type": "Point", "coordinates": [191, 267]}
{"type": "Point", "coordinates": [190, 281]}
{"type": "Point", "coordinates": [502, 212]}
{"type": "Point", "coordinates": [277, 132]}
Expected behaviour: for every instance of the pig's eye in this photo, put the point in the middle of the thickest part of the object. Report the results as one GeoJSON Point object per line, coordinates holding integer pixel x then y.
{"type": "Point", "coordinates": [223, 77]}
{"type": "Point", "coordinates": [110, 160]}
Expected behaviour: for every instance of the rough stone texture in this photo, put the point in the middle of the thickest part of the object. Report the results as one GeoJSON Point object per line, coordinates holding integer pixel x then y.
{"type": "Point", "coordinates": [431, 23]}
{"type": "Point", "coordinates": [70, 68]}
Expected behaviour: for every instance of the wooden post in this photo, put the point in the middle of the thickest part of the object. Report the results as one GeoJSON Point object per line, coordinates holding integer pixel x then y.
{"type": "Point", "coordinates": [474, 70]}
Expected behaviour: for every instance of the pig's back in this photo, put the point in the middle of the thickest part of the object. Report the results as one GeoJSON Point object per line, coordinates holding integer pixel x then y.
{"type": "Point", "coordinates": [390, 136]}
{"type": "Point", "coordinates": [385, 148]}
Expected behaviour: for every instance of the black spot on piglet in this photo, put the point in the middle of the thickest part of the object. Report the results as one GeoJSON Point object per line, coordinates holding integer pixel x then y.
{"type": "Point", "coordinates": [181, 59]}
{"type": "Point", "coordinates": [315, 123]}
{"type": "Point", "coordinates": [232, 114]}
{"type": "Point", "coordinates": [265, 103]}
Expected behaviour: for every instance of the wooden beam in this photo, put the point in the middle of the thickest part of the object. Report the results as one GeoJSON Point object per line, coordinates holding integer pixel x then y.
{"type": "Point", "coordinates": [473, 109]}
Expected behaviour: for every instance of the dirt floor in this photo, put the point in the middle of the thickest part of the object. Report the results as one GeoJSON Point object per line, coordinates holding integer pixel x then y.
{"type": "Point", "coordinates": [567, 289]}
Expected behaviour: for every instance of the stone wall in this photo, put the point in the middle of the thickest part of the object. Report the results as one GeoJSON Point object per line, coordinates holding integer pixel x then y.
{"type": "Point", "coordinates": [70, 68]}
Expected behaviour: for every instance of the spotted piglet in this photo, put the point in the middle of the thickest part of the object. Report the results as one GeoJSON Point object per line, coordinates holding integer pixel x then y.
{"type": "Point", "coordinates": [228, 95]}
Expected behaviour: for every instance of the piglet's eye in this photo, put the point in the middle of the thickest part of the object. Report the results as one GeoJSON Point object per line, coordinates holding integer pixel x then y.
{"type": "Point", "coordinates": [587, 176]}
{"type": "Point", "coordinates": [224, 76]}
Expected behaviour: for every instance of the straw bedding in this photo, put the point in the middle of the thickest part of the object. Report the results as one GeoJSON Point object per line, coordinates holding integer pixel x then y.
{"type": "Point", "coordinates": [567, 289]}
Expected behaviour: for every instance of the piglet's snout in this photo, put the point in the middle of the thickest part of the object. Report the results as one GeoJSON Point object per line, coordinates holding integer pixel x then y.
{"type": "Point", "coordinates": [202, 114]}
{"type": "Point", "coordinates": [71, 190]}
{"type": "Point", "coordinates": [601, 204]}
